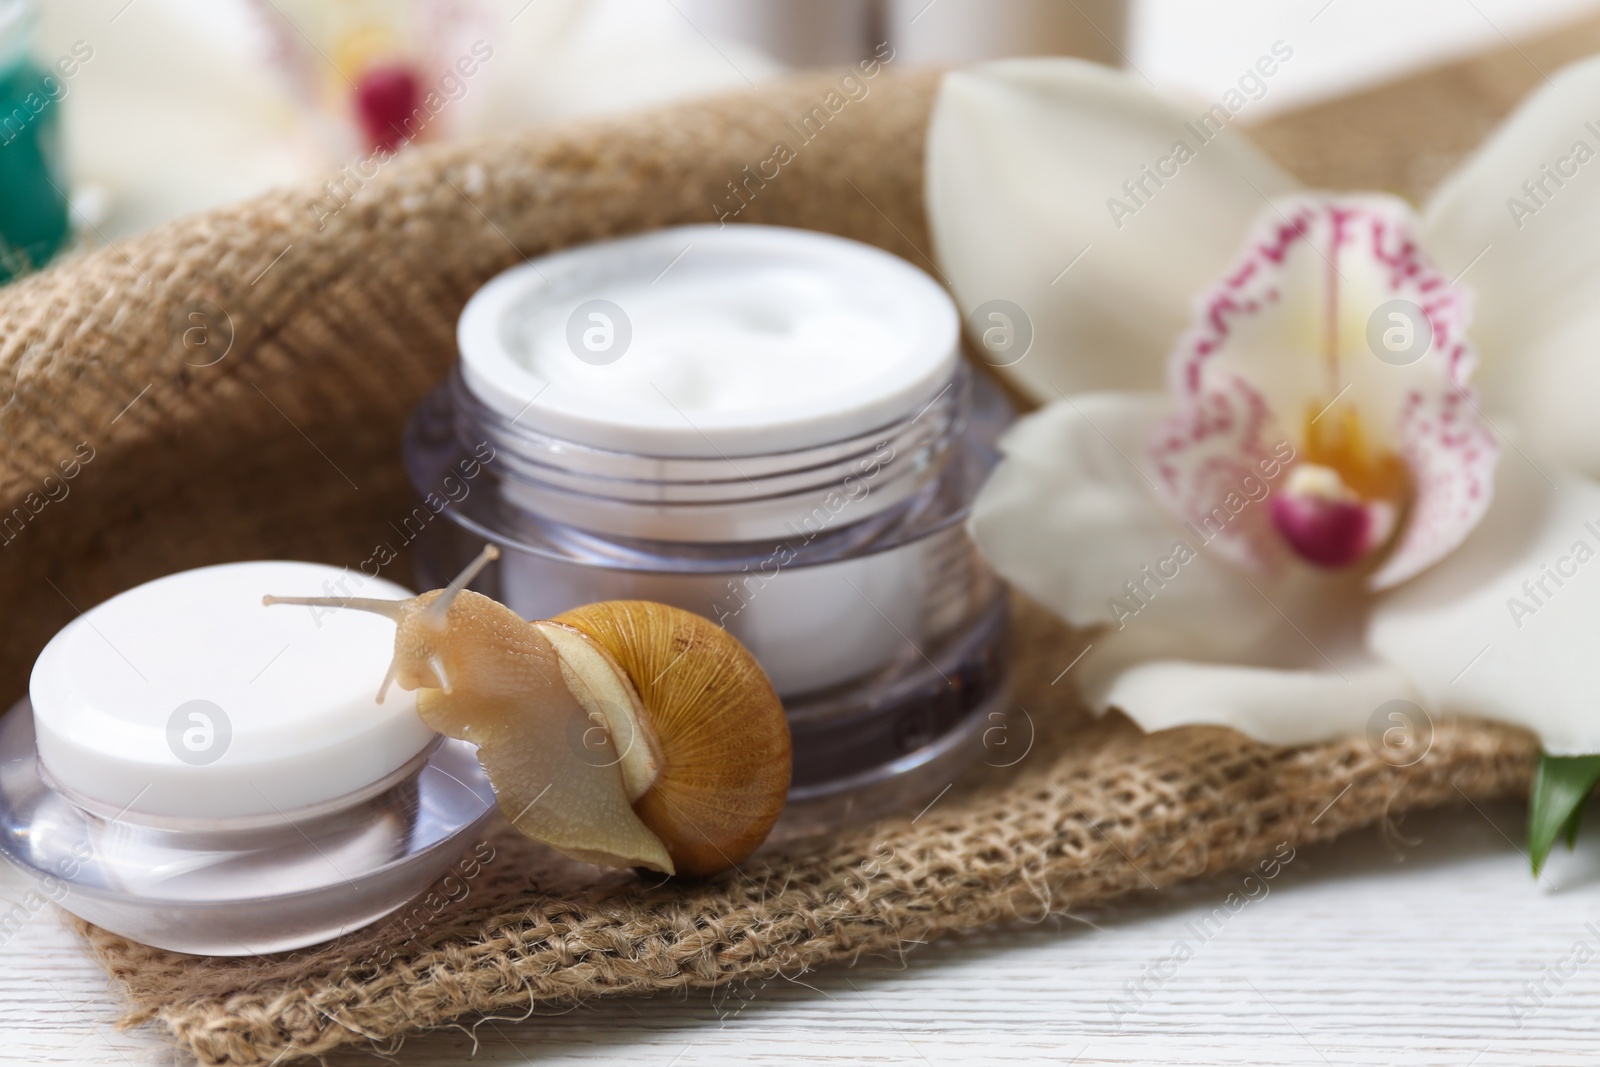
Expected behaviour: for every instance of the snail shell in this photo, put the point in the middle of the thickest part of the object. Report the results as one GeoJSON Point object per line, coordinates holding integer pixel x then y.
{"type": "Point", "coordinates": [718, 726]}
{"type": "Point", "coordinates": [625, 733]}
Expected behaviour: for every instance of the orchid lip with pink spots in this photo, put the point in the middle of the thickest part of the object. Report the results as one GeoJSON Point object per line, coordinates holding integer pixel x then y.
{"type": "Point", "coordinates": [1281, 351]}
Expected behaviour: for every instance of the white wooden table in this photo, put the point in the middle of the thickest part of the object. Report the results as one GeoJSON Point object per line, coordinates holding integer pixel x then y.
{"type": "Point", "coordinates": [1406, 947]}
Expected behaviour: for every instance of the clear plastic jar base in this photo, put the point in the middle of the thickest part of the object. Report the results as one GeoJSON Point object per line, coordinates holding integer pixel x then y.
{"type": "Point", "coordinates": [217, 888]}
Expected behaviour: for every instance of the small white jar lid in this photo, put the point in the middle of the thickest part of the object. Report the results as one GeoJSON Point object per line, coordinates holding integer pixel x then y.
{"type": "Point", "coordinates": [186, 697]}
{"type": "Point", "coordinates": [710, 341]}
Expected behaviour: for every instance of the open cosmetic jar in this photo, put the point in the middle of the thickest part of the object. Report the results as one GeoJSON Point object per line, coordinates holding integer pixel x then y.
{"type": "Point", "coordinates": [773, 428]}
{"type": "Point", "coordinates": [201, 773]}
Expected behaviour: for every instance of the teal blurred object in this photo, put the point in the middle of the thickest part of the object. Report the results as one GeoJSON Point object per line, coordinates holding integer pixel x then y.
{"type": "Point", "coordinates": [34, 220]}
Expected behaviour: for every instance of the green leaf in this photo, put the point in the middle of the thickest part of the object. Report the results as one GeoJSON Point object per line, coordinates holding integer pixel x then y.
{"type": "Point", "coordinates": [1571, 832]}
{"type": "Point", "coordinates": [1560, 787]}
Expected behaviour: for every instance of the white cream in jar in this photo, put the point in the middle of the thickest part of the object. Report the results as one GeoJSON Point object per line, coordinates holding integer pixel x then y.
{"type": "Point", "coordinates": [723, 342]}
{"type": "Point", "coordinates": [748, 354]}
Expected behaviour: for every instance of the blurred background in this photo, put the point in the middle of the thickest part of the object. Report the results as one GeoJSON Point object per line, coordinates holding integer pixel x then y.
{"type": "Point", "coordinates": [117, 115]}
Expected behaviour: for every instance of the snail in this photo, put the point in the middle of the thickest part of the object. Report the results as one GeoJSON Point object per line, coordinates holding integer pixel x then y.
{"type": "Point", "coordinates": [625, 733]}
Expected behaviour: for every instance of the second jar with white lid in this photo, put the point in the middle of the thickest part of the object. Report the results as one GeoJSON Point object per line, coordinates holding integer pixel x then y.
{"type": "Point", "coordinates": [771, 427]}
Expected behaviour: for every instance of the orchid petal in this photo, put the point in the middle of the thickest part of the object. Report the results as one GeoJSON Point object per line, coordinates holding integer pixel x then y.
{"type": "Point", "coordinates": [1072, 518]}
{"type": "Point", "coordinates": [1275, 706]}
{"type": "Point", "coordinates": [1515, 221]}
{"type": "Point", "coordinates": [1292, 670]}
{"type": "Point", "coordinates": [1287, 338]}
{"type": "Point", "coordinates": [1508, 627]}
{"type": "Point", "coordinates": [1027, 160]}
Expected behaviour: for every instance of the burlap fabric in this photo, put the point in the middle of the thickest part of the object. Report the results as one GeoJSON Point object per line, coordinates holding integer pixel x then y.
{"type": "Point", "coordinates": [336, 317]}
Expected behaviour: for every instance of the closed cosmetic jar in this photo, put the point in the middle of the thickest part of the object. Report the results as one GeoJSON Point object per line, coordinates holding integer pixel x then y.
{"type": "Point", "coordinates": [771, 427]}
{"type": "Point", "coordinates": [199, 772]}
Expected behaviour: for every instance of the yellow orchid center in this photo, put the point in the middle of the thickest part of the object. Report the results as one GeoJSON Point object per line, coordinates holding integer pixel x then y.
{"type": "Point", "coordinates": [1335, 438]}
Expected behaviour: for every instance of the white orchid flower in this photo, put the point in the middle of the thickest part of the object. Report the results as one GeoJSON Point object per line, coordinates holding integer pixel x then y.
{"type": "Point", "coordinates": [1301, 455]}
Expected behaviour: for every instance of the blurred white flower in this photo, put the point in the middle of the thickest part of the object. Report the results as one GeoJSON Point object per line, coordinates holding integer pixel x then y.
{"type": "Point", "coordinates": [188, 104]}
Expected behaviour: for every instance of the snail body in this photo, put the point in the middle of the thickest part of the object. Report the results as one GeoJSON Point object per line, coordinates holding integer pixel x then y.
{"type": "Point", "coordinates": [626, 733]}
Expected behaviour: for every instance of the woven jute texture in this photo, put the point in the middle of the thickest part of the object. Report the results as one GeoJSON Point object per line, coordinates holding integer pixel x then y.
{"type": "Point", "coordinates": [240, 380]}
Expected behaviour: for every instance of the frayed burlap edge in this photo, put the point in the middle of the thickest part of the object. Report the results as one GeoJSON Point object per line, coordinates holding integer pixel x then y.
{"type": "Point", "coordinates": [336, 322]}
